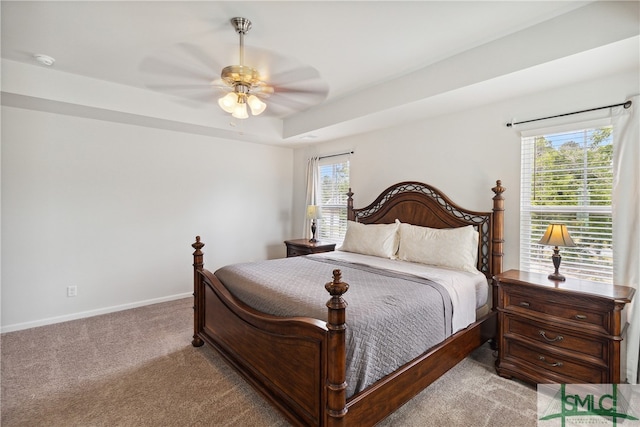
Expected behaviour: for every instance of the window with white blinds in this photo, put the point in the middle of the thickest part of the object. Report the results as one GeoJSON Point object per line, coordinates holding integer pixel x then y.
{"type": "Point", "coordinates": [567, 178]}
{"type": "Point", "coordinates": [334, 185]}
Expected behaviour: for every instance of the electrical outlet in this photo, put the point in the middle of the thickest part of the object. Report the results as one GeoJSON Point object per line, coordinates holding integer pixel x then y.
{"type": "Point", "coordinates": [72, 291]}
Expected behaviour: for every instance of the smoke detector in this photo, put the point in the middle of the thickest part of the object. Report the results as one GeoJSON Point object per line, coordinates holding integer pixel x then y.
{"type": "Point", "coordinates": [44, 59]}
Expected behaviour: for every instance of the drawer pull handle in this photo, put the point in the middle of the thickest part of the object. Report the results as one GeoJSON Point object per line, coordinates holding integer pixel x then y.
{"type": "Point", "coordinates": [557, 338]}
{"type": "Point", "coordinates": [581, 317]}
{"type": "Point", "coordinates": [555, 364]}
{"type": "Point", "coordinates": [524, 304]}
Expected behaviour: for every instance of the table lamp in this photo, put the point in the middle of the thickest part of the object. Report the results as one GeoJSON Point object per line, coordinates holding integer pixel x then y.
{"type": "Point", "coordinates": [313, 213]}
{"type": "Point", "coordinates": [556, 235]}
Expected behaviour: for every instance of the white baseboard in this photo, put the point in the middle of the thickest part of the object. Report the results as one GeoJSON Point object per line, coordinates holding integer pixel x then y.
{"type": "Point", "coordinates": [90, 313]}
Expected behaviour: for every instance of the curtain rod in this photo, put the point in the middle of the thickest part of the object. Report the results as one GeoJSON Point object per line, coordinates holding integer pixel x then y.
{"type": "Point", "coordinates": [335, 155]}
{"type": "Point", "coordinates": [626, 105]}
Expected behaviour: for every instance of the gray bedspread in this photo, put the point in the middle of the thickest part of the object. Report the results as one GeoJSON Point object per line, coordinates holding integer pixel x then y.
{"type": "Point", "coordinates": [391, 318]}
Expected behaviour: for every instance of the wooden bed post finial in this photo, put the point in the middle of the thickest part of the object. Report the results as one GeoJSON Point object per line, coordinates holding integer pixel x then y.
{"type": "Point", "coordinates": [499, 189]}
{"type": "Point", "coordinates": [350, 214]}
{"type": "Point", "coordinates": [498, 228]}
{"type": "Point", "coordinates": [198, 293]}
{"type": "Point", "coordinates": [337, 351]}
{"type": "Point", "coordinates": [197, 255]}
{"type": "Point", "coordinates": [337, 287]}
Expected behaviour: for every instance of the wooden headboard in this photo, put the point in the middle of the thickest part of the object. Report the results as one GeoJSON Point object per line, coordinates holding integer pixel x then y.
{"type": "Point", "coordinates": [421, 204]}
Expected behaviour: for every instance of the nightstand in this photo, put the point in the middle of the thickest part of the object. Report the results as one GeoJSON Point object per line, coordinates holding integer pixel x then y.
{"type": "Point", "coordinates": [304, 247]}
{"type": "Point", "coordinates": [560, 332]}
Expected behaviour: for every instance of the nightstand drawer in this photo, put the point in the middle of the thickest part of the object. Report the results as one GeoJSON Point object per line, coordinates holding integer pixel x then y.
{"type": "Point", "coordinates": [560, 307]}
{"type": "Point", "coordinates": [297, 251]}
{"type": "Point", "coordinates": [556, 337]}
{"type": "Point", "coordinates": [544, 360]}
{"type": "Point", "coordinates": [301, 247]}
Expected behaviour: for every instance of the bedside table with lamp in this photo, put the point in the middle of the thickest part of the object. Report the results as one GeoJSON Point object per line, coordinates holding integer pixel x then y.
{"type": "Point", "coordinates": [553, 329]}
{"type": "Point", "coordinates": [300, 247]}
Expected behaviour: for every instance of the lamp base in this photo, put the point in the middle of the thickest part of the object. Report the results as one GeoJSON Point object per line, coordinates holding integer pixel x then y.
{"type": "Point", "coordinates": [557, 277]}
{"type": "Point", "coordinates": [313, 232]}
{"type": "Point", "coordinates": [556, 258]}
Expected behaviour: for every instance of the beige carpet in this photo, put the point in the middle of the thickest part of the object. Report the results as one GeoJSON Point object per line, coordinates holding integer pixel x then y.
{"type": "Point", "coordinates": [138, 368]}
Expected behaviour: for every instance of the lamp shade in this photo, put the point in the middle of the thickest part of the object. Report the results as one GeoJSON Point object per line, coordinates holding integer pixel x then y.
{"type": "Point", "coordinates": [314, 212]}
{"type": "Point", "coordinates": [557, 235]}
{"type": "Point", "coordinates": [228, 102]}
{"type": "Point", "coordinates": [256, 105]}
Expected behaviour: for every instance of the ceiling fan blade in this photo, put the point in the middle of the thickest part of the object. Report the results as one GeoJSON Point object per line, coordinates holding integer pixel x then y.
{"type": "Point", "coordinates": [287, 105]}
{"type": "Point", "coordinates": [220, 83]}
{"type": "Point", "coordinates": [160, 67]}
{"type": "Point", "coordinates": [191, 91]}
{"type": "Point", "coordinates": [293, 76]}
{"type": "Point", "coordinates": [178, 87]}
{"type": "Point", "coordinates": [199, 54]}
{"type": "Point", "coordinates": [311, 91]}
{"type": "Point", "coordinates": [263, 91]}
{"type": "Point", "coordinates": [282, 105]}
{"type": "Point", "coordinates": [205, 98]}
{"type": "Point", "coordinates": [278, 70]}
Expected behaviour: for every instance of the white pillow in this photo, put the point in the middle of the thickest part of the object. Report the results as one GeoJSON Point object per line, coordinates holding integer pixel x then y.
{"type": "Point", "coordinates": [380, 240]}
{"type": "Point", "coordinates": [446, 247]}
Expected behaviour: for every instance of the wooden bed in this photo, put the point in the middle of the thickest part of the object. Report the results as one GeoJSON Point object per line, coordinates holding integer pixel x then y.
{"type": "Point", "coordinates": [309, 389]}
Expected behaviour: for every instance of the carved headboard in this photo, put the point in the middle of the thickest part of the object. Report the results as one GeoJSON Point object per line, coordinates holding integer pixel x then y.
{"type": "Point", "coordinates": [424, 205]}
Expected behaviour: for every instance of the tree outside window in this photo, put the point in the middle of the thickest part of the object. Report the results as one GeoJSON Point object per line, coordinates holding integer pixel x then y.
{"type": "Point", "coordinates": [334, 185]}
{"type": "Point", "coordinates": [567, 178]}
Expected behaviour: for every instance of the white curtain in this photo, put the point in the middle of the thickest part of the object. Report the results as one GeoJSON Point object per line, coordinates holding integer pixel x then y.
{"type": "Point", "coordinates": [626, 218]}
{"type": "Point", "coordinates": [313, 192]}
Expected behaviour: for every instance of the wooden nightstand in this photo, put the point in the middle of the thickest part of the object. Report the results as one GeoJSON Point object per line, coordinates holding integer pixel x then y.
{"type": "Point", "coordinates": [304, 247]}
{"type": "Point", "coordinates": [560, 332]}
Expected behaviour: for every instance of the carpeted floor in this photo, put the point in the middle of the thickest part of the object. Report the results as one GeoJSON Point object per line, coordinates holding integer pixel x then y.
{"type": "Point", "coordinates": [138, 368]}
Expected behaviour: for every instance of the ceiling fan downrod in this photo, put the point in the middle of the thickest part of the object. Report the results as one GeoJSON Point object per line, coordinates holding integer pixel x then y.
{"type": "Point", "coordinates": [242, 26]}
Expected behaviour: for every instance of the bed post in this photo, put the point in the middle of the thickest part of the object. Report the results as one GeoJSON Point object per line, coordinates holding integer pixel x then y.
{"type": "Point", "coordinates": [350, 214]}
{"type": "Point", "coordinates": [498, 229]}
{"type": "Point", "coordinates": [198, 293]}
{"type": "Point", "coordinates": [337, 352]}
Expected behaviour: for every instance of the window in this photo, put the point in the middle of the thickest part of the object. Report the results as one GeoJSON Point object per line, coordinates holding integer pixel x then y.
{"type": "Point", "coordinates": [334, 185]}
{"type": "Point", "coordinates": [567, 178]}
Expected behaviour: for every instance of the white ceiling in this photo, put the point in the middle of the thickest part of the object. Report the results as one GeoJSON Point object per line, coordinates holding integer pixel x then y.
{"type": "Point", "coordinates": [383, 62]}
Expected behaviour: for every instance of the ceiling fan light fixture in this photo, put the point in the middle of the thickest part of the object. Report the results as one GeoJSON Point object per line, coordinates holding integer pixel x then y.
{"type": "Point", "coordinates": [242, 79]}
{"type": "Point", "coordinates": [256, 105]}
{"type": "Point", "coordinates": [236, 102]}
{"type": "Point", "coordinates": [228, 102]}
{"type": "Point", "coordinates": [240, 110]}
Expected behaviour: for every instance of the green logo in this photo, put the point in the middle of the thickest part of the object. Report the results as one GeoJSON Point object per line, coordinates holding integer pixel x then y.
{"type": "Point", "coordinates": [582, 403]}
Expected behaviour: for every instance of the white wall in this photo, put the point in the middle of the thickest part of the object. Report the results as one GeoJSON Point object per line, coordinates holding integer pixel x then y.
{"type": "Point", "coordinates": [113, 209]}
{"type": "Point", "coordinates": [462, 154]}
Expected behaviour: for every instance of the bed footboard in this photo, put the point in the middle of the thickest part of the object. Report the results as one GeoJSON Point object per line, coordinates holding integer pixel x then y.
{"type": "Point", "coordinates": [298, 364]}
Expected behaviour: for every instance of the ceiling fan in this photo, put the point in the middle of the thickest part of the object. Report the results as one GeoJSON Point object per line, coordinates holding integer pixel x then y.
{"type": "Point", "coordinates": [244, 80]}
{"type": "Point", "coordinates": [281, 87]}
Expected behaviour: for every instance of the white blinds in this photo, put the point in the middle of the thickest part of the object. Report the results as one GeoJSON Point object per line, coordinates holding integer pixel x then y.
{"type": "Point", "coordinates": [334, 185]}
{"type": "Point", "coordinates": [567, 178]}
